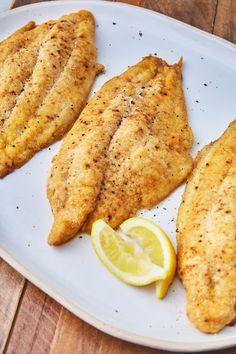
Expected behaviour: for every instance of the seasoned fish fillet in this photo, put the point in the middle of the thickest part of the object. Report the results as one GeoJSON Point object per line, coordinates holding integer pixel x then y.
{"type": "Point", "coordinates": [14, 42]}
{"type": "Point", "coordinates": [128, 150]}
{"type": "Point", "coordinates": [44, 86]}
{"type": "Point", "coordinates": [16, 70]}
{"type": "Point", "coordinates": [206, 234]}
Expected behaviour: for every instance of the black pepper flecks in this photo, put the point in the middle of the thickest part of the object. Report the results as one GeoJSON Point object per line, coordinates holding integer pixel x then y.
{"type": "Point", "coordinates": [114, 23]}
{"type": "Point", "coordinates": [140, 34]}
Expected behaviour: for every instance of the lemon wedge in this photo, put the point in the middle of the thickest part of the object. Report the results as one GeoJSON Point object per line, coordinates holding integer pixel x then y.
{"type": "Point", "coordinates": [157, 245]}
{"type": "Point", "coordinates": [135, 253]}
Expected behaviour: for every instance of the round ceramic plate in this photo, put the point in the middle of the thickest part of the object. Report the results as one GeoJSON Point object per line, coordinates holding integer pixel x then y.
{"type": "Point", "coordinates": [72, 274]}
{"type": "Point", "coordinates": [6, 4]}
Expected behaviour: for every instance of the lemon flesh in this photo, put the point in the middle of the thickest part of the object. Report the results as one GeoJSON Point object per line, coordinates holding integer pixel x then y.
{"type": "Point", "coordinates": [139, 254]}
{"type": "Point", "coordinates": [124, 256]}
{"type": "Point", "coordinates": [161, 252]}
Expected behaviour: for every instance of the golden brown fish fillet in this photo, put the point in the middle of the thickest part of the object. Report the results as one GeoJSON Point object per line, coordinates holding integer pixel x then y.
{"type": "Point", "coordinates": [128, 150]}
{"type": "Point", "coordinates": [206, 234]}
{"type": "Point", "coordinates": [149, 154]}
{"type": "Point", "coordinates": [14, 42]}
{"type": "Point", "coordinates": [16, 70]}
{"type": "Point", "coordinates": [56, 91]}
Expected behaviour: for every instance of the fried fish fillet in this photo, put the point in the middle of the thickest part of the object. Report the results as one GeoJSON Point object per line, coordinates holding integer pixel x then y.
{"type": "Point", "coordinates": [44, 85]}
{"type": "Point", "coordinates": [206, 234]}
{"type": "Point", "coordinates": [14, 42]}
{"type": "Point", "coordinates": [15, 70]}
{"type": "Point", "coordinates": [128, 150]}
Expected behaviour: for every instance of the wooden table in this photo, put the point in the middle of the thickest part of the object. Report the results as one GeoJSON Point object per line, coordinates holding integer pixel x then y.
{"type": "Point", "coordinates": [30, 321]}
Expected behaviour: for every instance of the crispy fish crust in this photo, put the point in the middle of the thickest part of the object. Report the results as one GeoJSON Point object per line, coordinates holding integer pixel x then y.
{"type": "Point", "coordinates": [128, 150]}
{"type": "Point", "coordinates": [16, 70]}
{"type": "Point", "coordinates": [14, 42]}
{"type": "Point", "coordinates": [206, 234]}
{"type": "Point", "coordinates": [44, 85]}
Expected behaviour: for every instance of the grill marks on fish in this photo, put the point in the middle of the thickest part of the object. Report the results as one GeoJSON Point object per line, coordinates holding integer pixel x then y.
{"type": "Point", "coordinates": [103, 163]}
{"type": "Point", "coordinates": [206, 227]}
{"type": "Point", "coordinates": [49, 98]}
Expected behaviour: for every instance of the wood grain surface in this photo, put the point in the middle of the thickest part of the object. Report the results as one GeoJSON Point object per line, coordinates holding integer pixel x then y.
{"type": "Point", "coordinates": [30, 321]}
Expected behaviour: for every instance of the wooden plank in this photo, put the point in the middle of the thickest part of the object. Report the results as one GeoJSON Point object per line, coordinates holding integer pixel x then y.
{"type": "Point", "coordinates": [11, 287]}
{"type": "Point", "coordinates": [42, 326]}
{"type": "Point", "coordinates": [141, 3]}
{"type": "Point", "coordinates": [17, 3]}
{"type": "Point", "coordinates": [225, 21]}
{"type": "Point", "coordinates": [199, 13]}
{"type": "Point", "coordinates": [35, 324]}
{"type": "Point", "coordinates": [75, 336]}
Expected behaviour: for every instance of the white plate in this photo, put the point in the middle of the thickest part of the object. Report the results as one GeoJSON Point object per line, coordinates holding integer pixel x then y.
{"type": "Point", "coordinates": [72, 274]}
{"type": "Point", "coordinates": [5, 5]}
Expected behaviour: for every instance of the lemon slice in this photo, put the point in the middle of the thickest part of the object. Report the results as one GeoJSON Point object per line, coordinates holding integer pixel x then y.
{"type": "Point", "coordinates": [135, 253]}
{"type": "Point", "coordinates": [157, 245]}
{"type": "Point", "coordinates": [124, 257]}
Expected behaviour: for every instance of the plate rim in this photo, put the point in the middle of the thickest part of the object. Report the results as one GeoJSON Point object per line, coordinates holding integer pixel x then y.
{"type": "Point", "coordinates": [109, 329]}
{"type": "Point", "coordinates": [50, 3]}
{"type": "Point", "coordinates": [75, 309]}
